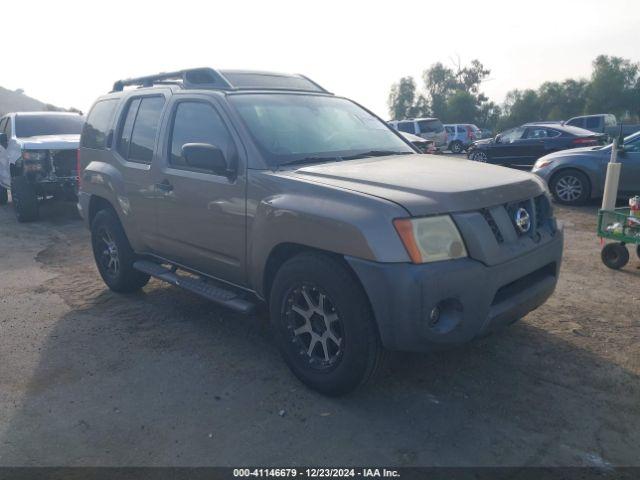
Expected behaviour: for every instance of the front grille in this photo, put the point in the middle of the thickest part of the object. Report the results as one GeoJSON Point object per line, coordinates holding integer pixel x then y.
{"type": "Point", "coordinates": [539, 210]}
{"type": "Point", "coordinates": [492, 224]}
{"type": "Point", "coordinates": [523, 283]}
{"type": "Point", "coordinates": [543, 210]}
{"type": "Point", "coordinates": [64, 163]}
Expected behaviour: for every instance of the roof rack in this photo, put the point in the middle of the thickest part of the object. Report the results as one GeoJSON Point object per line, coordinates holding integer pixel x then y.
{"type": "Point", "coordinates": [208, 78]}
{"type": "Point", "coordinates": [190, 78]}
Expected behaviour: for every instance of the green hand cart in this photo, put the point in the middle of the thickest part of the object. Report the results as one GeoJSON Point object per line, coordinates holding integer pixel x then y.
{"type": "Point", "coordinates": [620, 226]}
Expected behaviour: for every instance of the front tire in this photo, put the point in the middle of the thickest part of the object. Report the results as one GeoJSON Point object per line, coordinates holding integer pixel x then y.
{"type": "Point", "coordinates": [4, 196]}
{"type": "Point", "coordinates": [570, 187]}
{"type": "Point", "coordinates": [25, 199]}
{"type": "Point", "coordinates": [479, 156]}
{"type": "Point", "coordinates": [323, 324]}
{"type": "Point", "coordinates": [615, 255]}
{"type": "Point", "coordinates": [113, 255]}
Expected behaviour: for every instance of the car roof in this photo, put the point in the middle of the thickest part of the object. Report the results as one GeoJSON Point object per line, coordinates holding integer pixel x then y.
{"type": "Point", "coordinates": [591, 115]}
{"type": "Point", "coordinates": [225, 80]}
{"type": "Point", "coordinates": [562, 128]}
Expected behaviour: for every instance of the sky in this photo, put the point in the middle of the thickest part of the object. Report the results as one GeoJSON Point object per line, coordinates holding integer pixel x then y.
{"type": "Point", "coordinates": [68, 53]}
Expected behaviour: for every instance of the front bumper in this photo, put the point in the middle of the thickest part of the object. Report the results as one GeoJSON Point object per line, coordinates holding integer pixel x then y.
{"type": "Point", "coordinates": [472, 298]}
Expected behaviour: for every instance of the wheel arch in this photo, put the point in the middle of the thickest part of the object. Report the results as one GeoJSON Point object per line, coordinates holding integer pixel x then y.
{"type": "Point", "coordinates": [97, 203]}
{"type": "Point", "coordinates": [285, 251]}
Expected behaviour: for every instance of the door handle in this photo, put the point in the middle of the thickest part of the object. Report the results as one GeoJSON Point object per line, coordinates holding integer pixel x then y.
{"type": "Point", "coordinates": [164, 186]}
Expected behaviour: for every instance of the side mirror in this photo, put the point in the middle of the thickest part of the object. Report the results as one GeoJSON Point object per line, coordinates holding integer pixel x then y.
{"type": "Point", "coordinates": [205, 156]}
{"type": "Point", "coordinates": [4, 141]}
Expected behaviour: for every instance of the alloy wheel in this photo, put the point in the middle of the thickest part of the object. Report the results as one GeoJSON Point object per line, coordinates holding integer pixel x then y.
{"type": "Point", "coordinates": [569, 188]}
{"type": "Point", "coordinates": [109, 258]}
{"type": "Point", "coordinates": [480, 157]}
{"type": "Point", "coordinates": [314, 326]}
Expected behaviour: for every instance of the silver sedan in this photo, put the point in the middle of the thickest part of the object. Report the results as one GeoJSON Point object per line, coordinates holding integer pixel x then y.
{"type": "Point", "coordinates": [577, 175]}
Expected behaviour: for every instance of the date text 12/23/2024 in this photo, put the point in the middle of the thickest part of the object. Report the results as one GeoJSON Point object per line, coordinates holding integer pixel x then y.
{"type": "Point", "coordinates": [315, 473]}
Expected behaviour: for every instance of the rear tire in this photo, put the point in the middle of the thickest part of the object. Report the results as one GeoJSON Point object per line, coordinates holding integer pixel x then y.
{"type": "Point", "coordinates": [615, 255]}
{"type": "Point", "coordinates": [570, 187]}
{"type": "Point", "coordinates": [25, 199]}
{"type": "Point", "coordinates": [4, 196]}
{"type": "Point", "coordinates": [113, 254]}
{"type": "Point", "coordinates": [456, 147]}
{"type": "Point", "coordinates": [323, 324]}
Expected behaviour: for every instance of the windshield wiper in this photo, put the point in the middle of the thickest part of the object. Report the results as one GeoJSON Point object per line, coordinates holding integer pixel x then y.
{"type": "Point", "coordinates": [302, 161]}
{"type": "Point", "coordinates": [375, 153]}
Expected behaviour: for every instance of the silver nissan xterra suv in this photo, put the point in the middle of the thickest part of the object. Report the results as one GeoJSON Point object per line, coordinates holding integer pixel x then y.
{"type": "Point", "coordinates": [248, 187]}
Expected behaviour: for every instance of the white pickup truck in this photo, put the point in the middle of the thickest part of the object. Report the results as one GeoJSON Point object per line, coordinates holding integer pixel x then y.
{"type": "Point", "coordinates": [38, 159]}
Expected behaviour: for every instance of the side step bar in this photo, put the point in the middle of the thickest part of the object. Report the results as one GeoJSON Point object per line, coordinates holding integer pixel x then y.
{"type": "Point", "coordinates": [223, 296]}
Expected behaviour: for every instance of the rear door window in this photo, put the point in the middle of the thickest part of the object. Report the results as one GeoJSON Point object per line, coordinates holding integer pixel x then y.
{"type": "Point", "coordinates": [450, 129]}
{"type": "Point", "coordinates": [95, 128]}
{"type": "Point", "coordinates": [143, 115]}
{"type": "Point", "coordinates": [198, 122]}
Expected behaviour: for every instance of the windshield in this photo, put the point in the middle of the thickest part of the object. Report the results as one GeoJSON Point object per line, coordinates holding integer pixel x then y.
{"type": "Point", "coordinates": [291, 128]}
{"type": "Point", "coordinates": [634, 137]}
{"type": "Point", "coordinates": [36, 125]}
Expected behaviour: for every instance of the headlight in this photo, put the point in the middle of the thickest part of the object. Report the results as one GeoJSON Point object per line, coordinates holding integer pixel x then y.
{"type": "Point", "coordinates": [542, 162]}
{"type": "Point", "coordinates": [430, 239]}
{"type": "Point", "coordinates": [34, 155]}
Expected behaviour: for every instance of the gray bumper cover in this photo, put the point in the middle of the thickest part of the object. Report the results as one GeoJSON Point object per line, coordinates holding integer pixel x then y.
{"type": "Point", "coordinates": [473, 298]}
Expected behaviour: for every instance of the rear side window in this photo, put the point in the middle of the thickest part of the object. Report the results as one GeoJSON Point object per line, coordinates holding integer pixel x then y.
{"type": "Point", "coordinates": [430, 126]}
{"type": "Point", "coordinates": [95, 129]}
{"type": "Point", "coordinates": [138, 135]}
{"type": "Point", "coordinates": [124, 139]}
{"type": "Point", "coordinates": [198, 122]}
{"type": "Point", "coordinates": [406, 127]}
{"type": "Point", "coordinates": [593, 122]}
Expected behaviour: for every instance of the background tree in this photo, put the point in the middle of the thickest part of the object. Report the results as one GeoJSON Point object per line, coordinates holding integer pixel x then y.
{"type": "Point", "coordinates": [402, 98]}
{"type": "Point", "coordinates": [454, 96]}
{"type": "Point", "coordinates": [612, 84]}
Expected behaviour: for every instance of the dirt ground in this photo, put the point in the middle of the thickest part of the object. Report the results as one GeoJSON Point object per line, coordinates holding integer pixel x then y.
{"type": "Point", "coordinates": [162, 377]}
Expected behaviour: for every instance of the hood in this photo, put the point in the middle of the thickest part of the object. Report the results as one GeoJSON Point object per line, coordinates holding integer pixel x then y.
{"type": "Point", "coordinates": [483, 141]}
{"type": "Point", "coordinates": [427, 184]}
{"type": "Point", "coordinates": [50, 142]}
